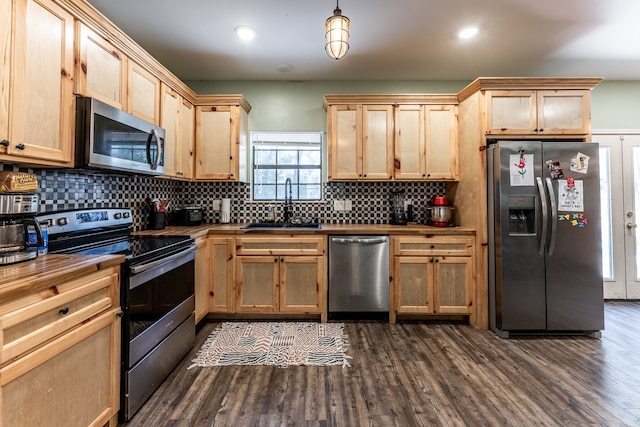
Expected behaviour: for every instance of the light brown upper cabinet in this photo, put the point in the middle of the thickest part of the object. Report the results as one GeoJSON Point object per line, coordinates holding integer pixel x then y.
{"type": "Point", "coordinates": [107, 74]}
{"type": "Point", "coordinates": [143, 89]}
{"type": "Point", "coordinates": [539, 112]}
{"type": "Point", "coordinates": [178, 121]}
{"type": "Point", "coordinates": [222, 140]}
{"type": "Point", "coordinates": [360, 142]}
{"type": "Point", "coordinates": [426, 142]}
{"type": "Point", "coordinates": [102, 69]}
{"type": "Point", "coordinates": [36, 83]}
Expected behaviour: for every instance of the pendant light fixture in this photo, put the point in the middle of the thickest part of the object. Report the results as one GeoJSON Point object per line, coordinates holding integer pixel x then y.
{"type": "Point", "coordinates": [337, 34]}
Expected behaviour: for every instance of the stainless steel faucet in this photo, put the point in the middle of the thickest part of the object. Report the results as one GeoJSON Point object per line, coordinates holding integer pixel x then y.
{"type": "Point", "coordinates": [288, 201]}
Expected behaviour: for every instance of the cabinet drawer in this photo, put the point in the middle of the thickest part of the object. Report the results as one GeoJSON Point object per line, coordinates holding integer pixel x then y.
{"type": "Point", "coordinates": [25, 324]}
{"type": "Point", "coordinates": [280, 246]}
{"type": "Point", "coordinates": [425, 245]}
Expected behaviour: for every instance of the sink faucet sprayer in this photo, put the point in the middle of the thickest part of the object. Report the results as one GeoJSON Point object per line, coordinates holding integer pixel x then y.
{"type": "Point", "coordinates": [288, 201]}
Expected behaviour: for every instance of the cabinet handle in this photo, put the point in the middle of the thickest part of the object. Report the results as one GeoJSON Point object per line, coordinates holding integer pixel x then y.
{"type": "Point", "coordinates": [20, 146]}
{"type": "Point", "coordinates": [541, 130]}
{"type": "Point", "coordinates": [4, 142]}
{"type": "Point", "coordinates": [64, 310]}
{"type": "Point", "coordinates": [120, 313]}
{"type": "Point", "coordinates": [275, 260]}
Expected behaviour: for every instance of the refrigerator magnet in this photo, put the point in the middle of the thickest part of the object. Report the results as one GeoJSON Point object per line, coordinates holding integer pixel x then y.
{"type": "Point", "coordinates": [521, 170]}
{"type": "Point", "coordinates": [554, 169]}
{"type": "Point", "coordinates": [580, 163]}
{"type": "Point", "coordinates": [570, 195]}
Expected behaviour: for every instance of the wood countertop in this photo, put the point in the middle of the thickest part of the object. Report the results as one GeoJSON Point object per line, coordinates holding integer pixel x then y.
{"type": "Point", "coordinates": [50, 270]}
{"type": "Point", "coordinates": [236, 229]}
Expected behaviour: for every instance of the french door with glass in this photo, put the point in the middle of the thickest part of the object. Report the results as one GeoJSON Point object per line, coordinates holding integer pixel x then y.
{"type": "Point", "coordinates": [620, 187]}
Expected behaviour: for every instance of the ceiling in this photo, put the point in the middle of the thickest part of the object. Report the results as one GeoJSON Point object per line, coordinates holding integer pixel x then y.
{"type": "Point", "coordinates": [390, 39]}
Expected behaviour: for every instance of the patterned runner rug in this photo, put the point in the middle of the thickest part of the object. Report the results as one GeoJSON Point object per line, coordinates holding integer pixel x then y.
{"type": "Point", "coordinates": [274, 343]}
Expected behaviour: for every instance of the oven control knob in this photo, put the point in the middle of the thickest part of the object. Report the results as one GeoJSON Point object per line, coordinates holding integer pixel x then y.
{"type": "Point", "coordinates": [62, 222]}
{"type": "Point", "coordinates": [118, 215]}
{"type": "Point", "coordinates": [125, 214]}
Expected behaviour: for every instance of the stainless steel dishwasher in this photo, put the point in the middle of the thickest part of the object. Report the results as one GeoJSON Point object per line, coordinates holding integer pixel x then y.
{"type": "Point", "coordinates": [359, 273]}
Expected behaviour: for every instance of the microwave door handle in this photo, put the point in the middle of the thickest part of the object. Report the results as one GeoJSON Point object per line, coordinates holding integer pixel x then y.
{"type": "Point", "coordinates": [554, 217]}
{"type": "Point", "coordinates": [545, 215]}
{"type": "Point", "coordinates": [152, 135]}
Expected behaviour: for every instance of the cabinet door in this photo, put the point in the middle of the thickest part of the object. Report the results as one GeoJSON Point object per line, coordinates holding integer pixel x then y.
{"type": "Point", "coordinates": [453, 284]}
{"type": "Point", "coordinates": [345, 147]}
{"type": "Point", "coordinates": [143, 94]}
{"type": "Point", "coordinates": [221, 286]}
{"type": "Point", "coordinates": [169, 120]}
{"type": "Point", "coordinates": [409, 162]}
{"type": "Point", "coordinates": [377, 142]}
{"type": "Point", "coordinates": [186, 140]}
{"type": "Point", "coordinates": [102, 71]}
{"type": "Point", "coordinates": [257, 284]}
{"type": "Point", "coordinates": [5, 70]}
{"type": "Point", "coordinates": [511, 112]}
{"type": "Point", "coordinates": [564, 111]}
{"type": "Point", "coordinates": [413, 277]}
{"type": "Point", "coordinates": [441, 141]}
{"type": "Point", "coordinates": [216, 148]}
{"type": "Point", "coordinates": [301, 283]}
{"type": "Point", "coordinates": [41, 105]}
{"type": "Point", "coordinates": [202, 278]}
{"type": "Point", "coordinates": [72, 381]}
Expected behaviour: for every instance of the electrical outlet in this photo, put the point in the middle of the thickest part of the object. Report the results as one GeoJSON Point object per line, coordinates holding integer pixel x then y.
{"type": "Point", "coordinates": [338, 205]}
{"type": "Point", "coordinates": [348, 205]}
{"type": "Point", "coordinates": [407, 203]}
{"type": "Point", "coordinates": [215, 205]}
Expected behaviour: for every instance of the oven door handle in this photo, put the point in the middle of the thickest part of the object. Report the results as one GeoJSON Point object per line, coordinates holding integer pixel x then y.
{"type": "Point", "coordinates": [148, 266]}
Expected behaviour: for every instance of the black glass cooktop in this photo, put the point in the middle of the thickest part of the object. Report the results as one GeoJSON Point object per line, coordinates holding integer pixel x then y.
{"type": "Point", "coordinates": [137, 247]}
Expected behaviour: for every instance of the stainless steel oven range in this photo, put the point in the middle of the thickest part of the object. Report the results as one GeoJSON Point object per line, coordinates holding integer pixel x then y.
{"type": "Point", "coordinates": [157, 293]}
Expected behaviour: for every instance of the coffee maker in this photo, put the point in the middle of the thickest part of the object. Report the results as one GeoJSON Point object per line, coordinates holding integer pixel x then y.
{"type": "Point", "coordinates": [398, 214]}
{"type": "Point", "coordinates": [18, 208]}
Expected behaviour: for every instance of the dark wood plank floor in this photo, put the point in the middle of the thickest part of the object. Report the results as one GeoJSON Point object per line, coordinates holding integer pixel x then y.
{"type": "Point", "coordinates": [422, 374]}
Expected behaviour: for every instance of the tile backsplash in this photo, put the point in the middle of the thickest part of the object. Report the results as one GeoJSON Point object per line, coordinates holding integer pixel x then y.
{"type": "Point", "coordinates": [64, 189]}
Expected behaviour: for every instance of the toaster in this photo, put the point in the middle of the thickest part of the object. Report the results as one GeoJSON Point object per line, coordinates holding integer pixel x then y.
{"type": "Point", "coordinates": [189, 215]}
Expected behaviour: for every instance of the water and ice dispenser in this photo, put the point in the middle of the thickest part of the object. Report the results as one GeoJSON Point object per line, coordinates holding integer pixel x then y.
{"type": "Point", "coordinates": [522, 215]}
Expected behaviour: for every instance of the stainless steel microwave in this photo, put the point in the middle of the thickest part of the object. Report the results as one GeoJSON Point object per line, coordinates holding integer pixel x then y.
{"type": "Point", "coordinates": [111, 139]}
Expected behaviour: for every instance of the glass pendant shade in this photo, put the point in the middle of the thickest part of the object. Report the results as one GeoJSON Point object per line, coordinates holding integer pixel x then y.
{"type": "Point", "coordinates": [337, 35]}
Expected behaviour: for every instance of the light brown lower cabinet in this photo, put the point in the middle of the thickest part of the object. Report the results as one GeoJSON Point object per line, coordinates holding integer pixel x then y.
{"type": "Point", "coordinates": [433, 275]}
{"type": "Point", "coordinates": [221, 260]}
{"type": "Point", "coordinates": [281, 275]}
{"type": "Point", "coordinates": [61, 353]}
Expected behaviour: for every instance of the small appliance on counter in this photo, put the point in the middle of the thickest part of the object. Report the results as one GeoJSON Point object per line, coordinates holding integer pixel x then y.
{"type": "Point", "coordinates": [440, 212]}
{"type": "Point", "coordinates": [18, 208]}
{"type": "Point", "coordinates": [187, 215]}
{"type": "Point", "coordinates": [398, 214]}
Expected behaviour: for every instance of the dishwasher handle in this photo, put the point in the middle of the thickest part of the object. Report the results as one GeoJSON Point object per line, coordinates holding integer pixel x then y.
{"type": "Point", "coordinates": [360, 240]}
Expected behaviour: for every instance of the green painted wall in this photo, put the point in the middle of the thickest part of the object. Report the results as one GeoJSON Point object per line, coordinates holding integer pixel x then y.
{"type": "Point", "coordinates": [297, 106]}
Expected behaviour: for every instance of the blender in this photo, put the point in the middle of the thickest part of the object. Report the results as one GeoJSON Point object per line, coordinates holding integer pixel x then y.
{"type": "Point", "coordinates": [398, 215]}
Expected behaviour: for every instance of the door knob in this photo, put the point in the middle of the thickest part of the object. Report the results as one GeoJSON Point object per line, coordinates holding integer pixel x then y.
{"type": "Point", "coordinates": [631, 225]}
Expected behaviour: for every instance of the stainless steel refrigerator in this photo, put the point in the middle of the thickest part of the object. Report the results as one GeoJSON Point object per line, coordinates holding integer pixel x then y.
{"type": "Point", "coordinates": [545, 249]}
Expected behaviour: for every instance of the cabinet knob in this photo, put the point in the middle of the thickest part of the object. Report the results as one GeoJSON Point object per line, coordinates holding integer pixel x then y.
{"type": "Point", "coordinates": [4, 142]}
{"type": "Point", "coordinates": [120, 313]}
{"type": "Point", "coordinates": [64, 310]}
{"type": "Point", "coordinates": [20, 146]}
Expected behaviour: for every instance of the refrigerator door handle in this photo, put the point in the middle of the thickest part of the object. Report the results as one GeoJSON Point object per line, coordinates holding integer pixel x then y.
{"type": "Point", "coordinates": [554, 216]}
{"type": "Point", "coordinates": [545, 215]}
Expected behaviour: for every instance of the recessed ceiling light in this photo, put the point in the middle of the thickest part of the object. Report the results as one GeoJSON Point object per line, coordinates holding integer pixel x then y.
{"type": "Point", "coordinates": [284, 68]}
{"type": "Point", "coordinates": [468, 32]}
{"type": "Point", "coordinates": [245, 32]}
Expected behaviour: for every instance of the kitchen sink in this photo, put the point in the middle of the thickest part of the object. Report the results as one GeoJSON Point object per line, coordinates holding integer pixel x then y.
{"type": "Point", "coordinates": [305, 225]}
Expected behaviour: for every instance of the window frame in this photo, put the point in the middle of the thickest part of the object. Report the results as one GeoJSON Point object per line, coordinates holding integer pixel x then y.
{"type": "Point", "coordinates": [287, 141]}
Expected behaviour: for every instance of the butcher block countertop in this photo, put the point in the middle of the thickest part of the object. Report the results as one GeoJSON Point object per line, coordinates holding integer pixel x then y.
{"type": "Point", "coordinates": [50, 270]}
{"type": "Point", "coordinates": [236, 229]}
